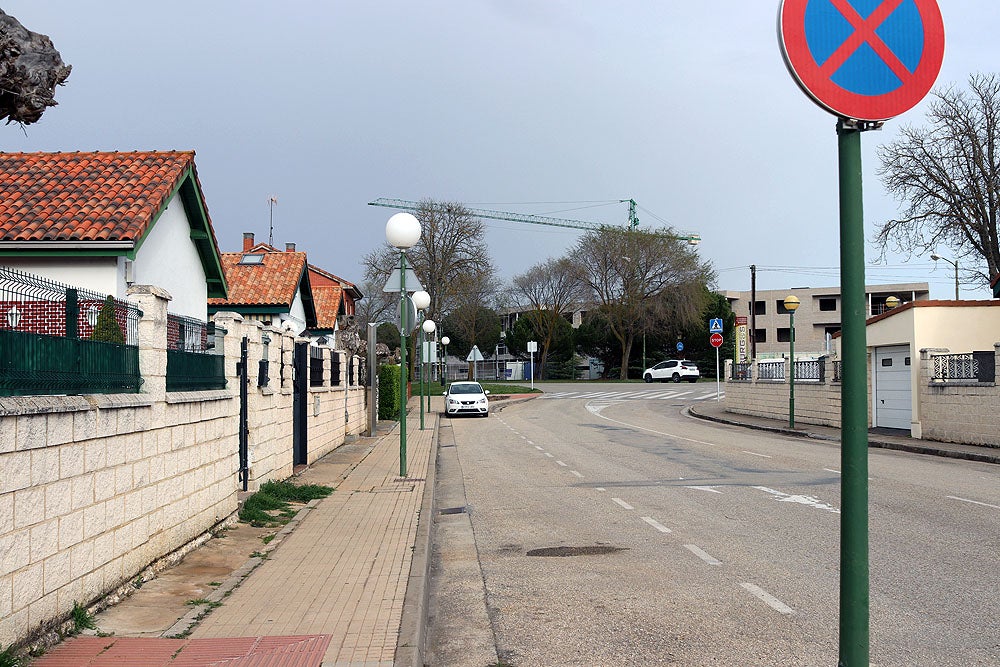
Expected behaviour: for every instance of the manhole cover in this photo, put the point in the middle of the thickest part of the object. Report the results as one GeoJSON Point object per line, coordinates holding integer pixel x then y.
{"type": "Point", "coordinates": [575, 551]}
{"type": "Point", "coordinates": [452, 510]}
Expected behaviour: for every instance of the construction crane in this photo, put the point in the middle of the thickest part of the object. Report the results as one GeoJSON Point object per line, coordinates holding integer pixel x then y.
{"type": "Point", "coordinates": [633, 219]}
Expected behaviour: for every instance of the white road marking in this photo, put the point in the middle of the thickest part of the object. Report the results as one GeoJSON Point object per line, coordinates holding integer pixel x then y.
{"type": "Point", "coordinates": [683, 393]}
{"type": "Point", "coordinates": [601, 488]}
{"type": "Point", "coordinates": [710, 489]}
{"type": "Point", "coordinates": [801, 500]}
{"type": "Point", "coordinates": [763, 456]}
{"type": "Point", "coordinates": [539, 448]}
{"type": "Point", "coordinates": [596, 409]}
{"type": "Point", "coordinates": [576, 473]}
{"type": "Point", "coordinates": [561, 463]}
{"type": "Point", "coordinates": [549, 455]}
{"type": "Point", "coordinates": [702, 398]}
{"type": "Point", "coordinates": [974, 502]}
{"type": "Point", "coordinates": [656, 524]}
{"type": "Point", "coordinates": [669, 394]}
{"type": "Point", "coordinates": [622, 503]}
{"type": "Point", "coordinates": [702, 555]}
{"type": "Point", "coordinates": [530, 442]}
{"type": "Point", "coordinates": [836, 472]}
{"type": "Point", "coordinates": [768, 599]}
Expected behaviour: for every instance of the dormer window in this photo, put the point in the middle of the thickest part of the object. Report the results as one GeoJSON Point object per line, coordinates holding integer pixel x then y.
{"type": "Point", "coordinates": [251, 259]}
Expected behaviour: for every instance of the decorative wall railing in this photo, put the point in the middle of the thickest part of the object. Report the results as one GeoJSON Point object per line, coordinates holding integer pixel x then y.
{"type": "Point", "coordinates": [810, 370]}
{"type": "Point", "coordinates": [838, 371]}
{"type": "Point", "coordinates": [58, 339]}
{"type": "Point", "coordinates": [968, 367]}
{"type": "Point", "coordinates": [193, 361]}
{"type": "Point", "coordinates": [770, 370]}
{"type": "Point", "coordinates": [742, 371]}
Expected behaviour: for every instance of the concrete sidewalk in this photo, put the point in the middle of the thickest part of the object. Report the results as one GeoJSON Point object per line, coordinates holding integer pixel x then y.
{"type": "Point", "coordinates": [336, 580]}
{"type": "Point", "coordinates": [879, 438]}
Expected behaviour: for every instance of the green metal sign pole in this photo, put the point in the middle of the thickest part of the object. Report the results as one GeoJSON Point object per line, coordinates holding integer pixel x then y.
{"type": "Point", "coordinates": [403, 330]}
{"type": "Point", "coordinates": [854, 607]}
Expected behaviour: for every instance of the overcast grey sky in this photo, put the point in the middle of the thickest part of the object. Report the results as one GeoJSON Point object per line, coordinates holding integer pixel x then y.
{"type": "Point", "coordinates": [685, 106]}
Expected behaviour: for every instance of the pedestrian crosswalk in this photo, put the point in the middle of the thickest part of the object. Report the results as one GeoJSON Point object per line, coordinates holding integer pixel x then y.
{"type": "Point", "coordinates": [688, 395]}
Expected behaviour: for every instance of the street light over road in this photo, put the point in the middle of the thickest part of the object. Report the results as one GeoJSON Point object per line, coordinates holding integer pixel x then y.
{"type": "Point", "coordinates": [936, 257]}
{"type": "Point", "coordinates": [402, 231]}
{"type": "Point", "coordinates": [791, 305]}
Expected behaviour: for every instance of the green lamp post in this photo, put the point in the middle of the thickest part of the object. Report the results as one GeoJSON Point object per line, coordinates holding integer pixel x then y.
{"type": "Point", "coordinates": [791, 305]}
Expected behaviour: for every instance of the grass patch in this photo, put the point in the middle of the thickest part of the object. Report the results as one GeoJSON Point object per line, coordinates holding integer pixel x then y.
{"type": "Point", "coordinates": [82, 620]}
{"type": "Point", "coordinates": [10, 659]}
{"type": "Point", "coordinates": [271, 506]}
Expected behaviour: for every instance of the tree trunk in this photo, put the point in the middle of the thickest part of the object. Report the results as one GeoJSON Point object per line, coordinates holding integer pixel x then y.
{"type": "Point", "coordinates": [626, 353]}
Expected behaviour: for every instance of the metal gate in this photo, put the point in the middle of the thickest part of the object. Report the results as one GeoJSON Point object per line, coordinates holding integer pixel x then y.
{"type": "Point", "coordinates": [242, 371]}
{"type": "Point", "coordinates": [300, 404]}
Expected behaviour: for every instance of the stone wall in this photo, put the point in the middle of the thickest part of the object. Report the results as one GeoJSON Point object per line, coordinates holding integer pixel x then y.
{"type": "Point", "coordinates": [953, 411]}
{"type": "Point", "coordinates": [964, 412]}
{"type": "Point", "coordinates": [95, 488]}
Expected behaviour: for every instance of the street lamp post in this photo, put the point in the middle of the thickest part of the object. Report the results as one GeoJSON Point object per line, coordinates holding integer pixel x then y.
{"type": "Point", "coordinates": [428, 328]}
{"type": "Point", "coordinates": [444, 360]}
{"type": "Point", "coordinates": [421, 300]}
{"type": "Point", "coordinates": [791, 305]}
{"type": "Point", "coordinates": [936, 257]}
{"type": "Point", "coordinates": [402, 231]}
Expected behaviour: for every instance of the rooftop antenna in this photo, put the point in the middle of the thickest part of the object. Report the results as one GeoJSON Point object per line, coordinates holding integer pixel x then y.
{"type": "Point", "coordinates": [270, 225]}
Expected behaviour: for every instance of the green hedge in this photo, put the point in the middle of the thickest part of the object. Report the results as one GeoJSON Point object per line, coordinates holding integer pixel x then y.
{"type": "Point", "coordinates": [388, 392]}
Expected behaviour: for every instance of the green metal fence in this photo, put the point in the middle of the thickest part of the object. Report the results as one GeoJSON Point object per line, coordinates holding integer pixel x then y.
{"type": "Point", "coordinates": [54, 339]}
{"type": "Point", "coordinates": [194, 362]}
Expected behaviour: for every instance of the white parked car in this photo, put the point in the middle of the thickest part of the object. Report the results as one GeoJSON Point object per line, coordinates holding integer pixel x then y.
{"type": "Point", "coordinates": [466, 398]}
{"type": "Point", "coordinates": [673, 370]}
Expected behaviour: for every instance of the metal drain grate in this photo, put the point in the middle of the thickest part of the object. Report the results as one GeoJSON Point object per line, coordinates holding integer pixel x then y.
{"type": "Point", "coordinates": [561, 552]}
{"type": "Point", "coordinates": [453, 510]}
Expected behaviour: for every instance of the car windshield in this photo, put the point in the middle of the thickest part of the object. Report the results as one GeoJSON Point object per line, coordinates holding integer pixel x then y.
{"type": "Point", "coordinates": [470, 388]}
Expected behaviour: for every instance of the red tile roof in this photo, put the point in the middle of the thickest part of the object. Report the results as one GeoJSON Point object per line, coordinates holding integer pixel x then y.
{"type": "Point", "coordinates": [270, 283]}
{"type": "Point", "coordinates": [86, 196]}
{"type": "Point", "coordinates": [327, 299]}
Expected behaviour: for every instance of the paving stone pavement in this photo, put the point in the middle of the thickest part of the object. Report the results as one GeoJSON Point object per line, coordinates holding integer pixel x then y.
{"type": "Point", "coordinates": [337, 578]}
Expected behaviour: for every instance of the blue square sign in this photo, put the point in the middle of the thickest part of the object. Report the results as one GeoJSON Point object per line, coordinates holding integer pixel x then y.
{"type": "Point", "coordinates": [715, 325]}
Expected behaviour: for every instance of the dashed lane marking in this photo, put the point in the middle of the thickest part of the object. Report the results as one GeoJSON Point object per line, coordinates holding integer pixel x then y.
{"type": "Point", "coordinates": [710, 489]}
{"type": "Point", "coordinates": [768, 599]}
{"type": "Point", "coordinates": [576, 473]}
{"type": "Point", "coordinates": [656, 524]}
{"type": "Point", "coordinates": [763, 456]}
{"type": "Point", "coordinates": [702, 555]}
{"type": "Point", "coordinates": [621, 502]}
{"type": "Point", "coordinates": [561, 463]}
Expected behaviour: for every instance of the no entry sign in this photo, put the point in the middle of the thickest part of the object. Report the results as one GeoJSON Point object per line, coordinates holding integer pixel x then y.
{"type": "Point", "coordinates": [863, 59]}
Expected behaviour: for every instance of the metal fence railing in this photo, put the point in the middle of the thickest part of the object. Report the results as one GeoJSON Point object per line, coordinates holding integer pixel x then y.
{"type": "Point", "coordinates": [742, 371]}
{"type": "Point", "coordinates": [969, 367]}
{"type": "Point", "coordinates": [316, 363]}
{"type": "Point", "coordinates": [59, 339]}
{"type": "Point", "coordinates": [771, 370]}
{"type": "Point", "coordinates": [194, 363]}
{"type": "Point", "coordinates": [810, 370]}
{"type": "Point", "coordinates": [838, 371]}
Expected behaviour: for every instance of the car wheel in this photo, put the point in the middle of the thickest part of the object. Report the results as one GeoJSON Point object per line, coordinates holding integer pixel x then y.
{"type": "Point", "coordinates": [676, 377]}
{"type": "Point", "coordinates": [647, 378]}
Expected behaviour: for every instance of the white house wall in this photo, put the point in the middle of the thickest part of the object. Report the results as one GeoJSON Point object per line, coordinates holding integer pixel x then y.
{"type": "Point", "coordinates": [169, 259]}
{"type": "Point", "coordinates": [98, 274]}
{"type": "Point", "coordinates": [295, 320]}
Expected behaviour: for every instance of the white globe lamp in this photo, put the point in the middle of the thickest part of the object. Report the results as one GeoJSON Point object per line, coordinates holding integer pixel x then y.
{"type": "Point", "coordinates": [402, 231]}
{"type": "Point", "coordinates": [421, 300]}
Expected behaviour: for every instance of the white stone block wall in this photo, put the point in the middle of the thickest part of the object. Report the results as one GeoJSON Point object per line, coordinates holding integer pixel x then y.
{"type": "Point", "coordinates": [93, 489]}
{"type": "Point", "coordinates": [958, 412]}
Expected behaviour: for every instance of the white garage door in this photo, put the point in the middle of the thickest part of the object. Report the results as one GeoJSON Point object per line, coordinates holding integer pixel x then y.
{"type": "Point", "coordinates": [893, 407]}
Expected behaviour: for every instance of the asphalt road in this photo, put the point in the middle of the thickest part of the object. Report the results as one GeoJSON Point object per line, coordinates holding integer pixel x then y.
{"type": "Point", "coordinates": [693, 543]}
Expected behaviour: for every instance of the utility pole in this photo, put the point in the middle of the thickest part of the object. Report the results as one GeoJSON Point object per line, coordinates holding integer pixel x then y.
{"type": "Point", "coordinates": [753, 312]}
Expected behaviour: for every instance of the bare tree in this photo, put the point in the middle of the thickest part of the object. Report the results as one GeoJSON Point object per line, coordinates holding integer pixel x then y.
{"type": "Point", "coordinates": [553, 290]}
{"type": "Point", "coordinates": [947, 176]}
{"type": "Point", "coordinates": [451, 259]}
{"type": "Point", "coordinates": [641, 279]}
{"type": "Point", "coordinates": [30, 70]}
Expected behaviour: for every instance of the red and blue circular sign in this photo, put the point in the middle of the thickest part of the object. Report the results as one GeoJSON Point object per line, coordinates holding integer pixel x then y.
{"type": "Point", "coordinates": [863, 59]}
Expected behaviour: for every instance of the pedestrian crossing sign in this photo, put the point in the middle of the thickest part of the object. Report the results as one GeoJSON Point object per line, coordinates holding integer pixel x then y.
{"type": "Point", "coordinates": [715, 325]}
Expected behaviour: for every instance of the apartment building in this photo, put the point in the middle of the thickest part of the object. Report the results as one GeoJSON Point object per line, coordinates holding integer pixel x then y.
{"type": "Point", "coordinates": [817, 317]}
